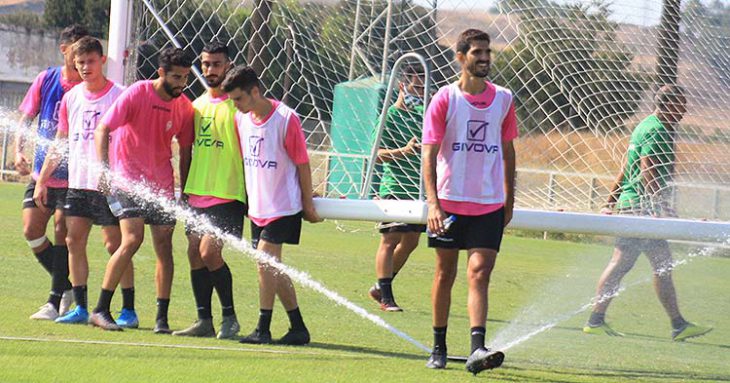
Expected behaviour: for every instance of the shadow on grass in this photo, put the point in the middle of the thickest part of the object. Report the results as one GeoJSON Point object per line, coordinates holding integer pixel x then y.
{"type": "Point", "coordinates": [368, 350]}
{"type": "Point", "coordinates": [619, 374]}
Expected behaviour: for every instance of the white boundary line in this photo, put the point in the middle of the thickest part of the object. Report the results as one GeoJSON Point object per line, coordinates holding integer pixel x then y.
{"type": "Point", "coordinates": [187, 347]}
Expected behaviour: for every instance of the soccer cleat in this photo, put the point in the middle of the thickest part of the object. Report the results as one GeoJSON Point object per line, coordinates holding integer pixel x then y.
{"type": "Point", "coordinates": [200, 328]}
{"type": "Point", "coordinates": [128, 319]}
{"type": "Point", "coordinates": [78, 315]}
{"type": "Point", "coordinates": [390, 306]}
{"type": "Point", "coordinates": [104, 321]}
{"type": "Point", "coordinates": [690, 330]}
{"type": "Point", "coordinates": [295, 337]}
{"type": "Point", "coordinates": [66, 300]}
{"type": "Point", "coordinates": [375, 293]}
{"type": "Point", "coordinates": [257, 337]}
{"type": "Point", "coordinates": [602, 329]}
{"type": "Point", "coordinates": [229, 327]}
{"type": "Point", "coordinates": [437, 361]}
{"type": "Point", "coordinates": [484, 359]}
{"type": "Point", "coordinates": [161, 327]}
{"type": "Point", "coordinates": [45, 312]}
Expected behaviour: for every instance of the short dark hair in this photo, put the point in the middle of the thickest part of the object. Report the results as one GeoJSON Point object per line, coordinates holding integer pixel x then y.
{"type": "Point", "coordinates": [669, 95]}
{"type": "Point", "coordinates": [216, 46]}
{"type": "Point", "coordinates": [468, 37]}
{"type": "Point", "coordinates": [73, 33]}
{"type": "Point", "coordinates": [170, 57]}
{"type": "Point", "coordinates": [88, 44]}
{"type": "Point", "coordinates": [243, 77]}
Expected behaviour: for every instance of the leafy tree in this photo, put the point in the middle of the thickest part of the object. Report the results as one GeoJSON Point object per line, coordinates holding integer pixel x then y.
{"type": "Point", "coordinates": [62, 13]}
{"type": "Point", "coordinates": [96, 17]}
{"type": "Point", "coordinates": [708, 28]}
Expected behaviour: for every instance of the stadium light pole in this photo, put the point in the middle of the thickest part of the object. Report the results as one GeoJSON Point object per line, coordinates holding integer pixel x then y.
{"type": "Point", "coordinates": [120, 16]}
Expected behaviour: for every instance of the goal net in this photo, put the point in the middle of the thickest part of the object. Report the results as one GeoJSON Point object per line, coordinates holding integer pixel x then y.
{"type": "Point", "coordinates": [584, 74]}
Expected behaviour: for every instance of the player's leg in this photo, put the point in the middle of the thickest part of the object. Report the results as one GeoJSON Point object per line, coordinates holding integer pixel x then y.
{"type": "Point", "coordinates": [447, 260]}
{"type": "Point", "coordinates": [384, 270]}
{"type": "Point", "coordinates": [211, 249]}
{"type": "Point", "coordinates": [202, 286]}
{"type": "Point", "coordinates": [406, 246]}
{"type": "Point", "coordinates": [164, 270]}
{"type": "Point", "coordinates": [60, 285]}
{"type": "Point", "coordinates": [267, 287]}
{"type": "Point", "coordinates": [112, 238]}
{"type": "Point", "coordinates": [76, 240]}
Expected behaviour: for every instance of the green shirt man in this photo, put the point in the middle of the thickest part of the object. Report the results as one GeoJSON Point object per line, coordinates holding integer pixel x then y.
{"type": "Point", "coordinates": [401, 175]}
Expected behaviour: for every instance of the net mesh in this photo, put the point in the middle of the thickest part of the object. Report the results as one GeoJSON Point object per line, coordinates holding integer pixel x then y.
{"type": "Point", "coordinates": [584, 75]}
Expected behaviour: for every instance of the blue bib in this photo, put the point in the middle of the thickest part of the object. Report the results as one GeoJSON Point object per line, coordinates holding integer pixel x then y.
{"type": "Point", "coordinates": [51, 94]}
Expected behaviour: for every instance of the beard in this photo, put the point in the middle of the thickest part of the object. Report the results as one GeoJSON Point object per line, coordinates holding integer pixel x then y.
{"type": "Point", "coordinates": [477, 71]}
{"type": "Point", "coordinates": [214, 81]}
{"type": "Point", "coordinates": [172, 91]}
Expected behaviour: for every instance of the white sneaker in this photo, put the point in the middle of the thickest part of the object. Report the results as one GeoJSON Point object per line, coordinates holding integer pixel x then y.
{"type": "Point", "coordinates": [46, 312]}
{"type": "Point", "coordinates": [66, 300]}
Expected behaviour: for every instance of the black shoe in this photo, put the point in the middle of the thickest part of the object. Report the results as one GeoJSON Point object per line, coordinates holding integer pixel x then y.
{"type": "Point", "coordinates": [484, 359]}
{"type": "Point", "coordinates": [161, 327]}
{"type": "Point", "coordinates": [257, 337]}
{"type": "Point", "coordinates": [437, 361]}
{"type": "Point", "coordinates": [295, 337]}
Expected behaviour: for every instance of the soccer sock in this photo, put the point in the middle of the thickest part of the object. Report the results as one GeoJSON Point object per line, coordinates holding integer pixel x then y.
{"type": "Point", "coordinates": [296, 320]}
{"type": "Point", "coordinates": [439, 340]}
{"type": "Point", "coordinates": [477, 337]}
{"type": "Point", "coordinates": [45, 258]}
{"type": "Point", "coordinates": [81, 296]}
{"type": "Point", "coordinates": [678, 322]}
{"type": "Point", "coordinates": [202, 291]}
{"type": "Point", "coordinates": [128, 298]}
{"type": "Point", "coordinates": [105, 301]}
{"type": "Point", "coordinates": [223, 282]}
{"type": "Point", "coordinates": [596, 319]}
{"type": "Point", "coordinates": [265, 320]}
{"type": "Point", "coordinates": [162, 306]}
{"type": "Point", "coordinates": [386, 289]}
{"type": "Point", "coordinates": [59, 276]}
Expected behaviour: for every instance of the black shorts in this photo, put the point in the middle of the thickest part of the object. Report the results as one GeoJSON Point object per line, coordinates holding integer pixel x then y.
{"type": "Point", "coordinates": [400, 227]}
{"type": "Point", "coordinates": [56, 197]}
{"type": "Point", "coordinates": [640, 245]}
{"type": "Point", "coordinates": [471, 232]}
{"type": "Point", "coordinates": [124, 205]}
{"type": "Point", "coordinates": [227, 216]}
{"type": "Point", "coordinates": [284, 230]}
{"type": "Point", "coordinates": [89, 204]}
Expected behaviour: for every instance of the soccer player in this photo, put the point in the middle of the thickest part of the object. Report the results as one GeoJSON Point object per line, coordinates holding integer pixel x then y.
{"type": "Point", "coordinates": [399, 153]}
{"type": "Point", "coordinates": [279, 187]}
{"type": "Point", "coordinates": [81, 108]}
{"type": "Point", "coordinates": [641, 188]}
{"type": "Point", "coordinates": [469, 170]}
{"type": "Point", "coordinates": [215, 190]}
{"type": "Point", "coordinates": [144, 120]}
{"type": "Point", "coordinates": [43, 100]}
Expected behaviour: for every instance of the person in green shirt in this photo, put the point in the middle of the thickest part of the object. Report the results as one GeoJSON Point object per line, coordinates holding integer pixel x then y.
{"type": "Point", "coordinates": [398, 153]}
{"type": "Point", "coordinates": [214, 190]}
{"type": "Point", "coordinates": [642, 188]}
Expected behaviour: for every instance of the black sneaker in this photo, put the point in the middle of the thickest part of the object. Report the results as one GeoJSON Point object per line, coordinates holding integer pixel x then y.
{"type": "Point", "coordinates": [295, 337]}
{"type": "Point", "coordinates": [257, 337]}
{"type": "Point", "coordinates": [484, 359]}
{"type": "Point", "coordinates": [437, 361]}
{"type": "Point", "coordinates": [161, 327]}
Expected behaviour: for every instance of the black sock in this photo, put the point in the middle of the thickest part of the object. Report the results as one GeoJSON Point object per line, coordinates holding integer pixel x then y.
{"type": "Point", "coordinates": [45, 258]}
{"type": "Point", "coordinates": [296, 320]}
{"type": "Point", "coordinates": [386, 289]}
{"type": "Point", "coordinates": [392, 278]}
{"type": "Point", "coordinates": [60, 282]}
{"type": "Point", "coordinates": [223, 282]}
{"type": "Point", "coordinates": [162, 306]}
{"type": "Point", "coordinates": [54, 298]}
{"type": "Point", "coordinates": [678, 322]}
{"type": "Point", "coordinates": [128, 298]}
{"type": "Point", "coordinates": [265, 320]}
{"type": "Point", "coordinates": [202, 291]}
{"type": "Point", "coordinates": [81, 296]}
{"type": "Point", "coordinates": [596, 319]}
{"type": "Point", "coordinates": [477, 337]}
{"type": "Point", "coordinates": [439, 340]}
{"type": "Point", "coordinates": [105, 301]}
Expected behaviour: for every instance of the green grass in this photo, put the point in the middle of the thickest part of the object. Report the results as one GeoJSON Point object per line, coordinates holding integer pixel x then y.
{"type": "Point", "coordinates": [551, 277]}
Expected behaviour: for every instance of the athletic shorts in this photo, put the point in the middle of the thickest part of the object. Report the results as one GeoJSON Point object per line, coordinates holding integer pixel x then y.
{"type": "Point", "coordinates": [471, 232]}
{"type": "Point", "coordinates": [641, 245]}
{"type": "Point", "coordinates": [89, 204]}
{"type": "Point", "coordinates": [284, 230]}
{"type": "Point", "coordinates": [56, 197]}
{"type": "Point", "coordinates": [399, 227]}
{"type": "Point", "coordinates": [227, 216]}
{"type": "Point", "coordinates": [124, 205]}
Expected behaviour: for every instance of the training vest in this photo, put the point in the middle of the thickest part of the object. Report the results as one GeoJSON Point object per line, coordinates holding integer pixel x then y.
{"type": "Point", "coordinates": [83, 117]}
{"type": "Point", "coordinates": [216, 169]}
{"type": "Point", "coordinates": [271, 176]}
{"type": "Point", "coordinates": [469, 164]}
{"type": "Point", "coordinates": [51, 95]}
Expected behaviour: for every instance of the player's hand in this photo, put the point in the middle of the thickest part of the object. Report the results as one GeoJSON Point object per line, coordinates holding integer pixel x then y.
{"type": "Point", "coordinates": [508, 213]}
{"type": "Point", "coordinates": [40, 196]}
{"type": "Point", "coordinates": [21, 164]}
{"type": "Point", "coordinates": [413, 146]}
{"type": "Point", "coordinates": [606, 210]}
{"type": "Point", "coordinates": [309, 214]}
{"type": "Point", "coordinates": [436, 218]}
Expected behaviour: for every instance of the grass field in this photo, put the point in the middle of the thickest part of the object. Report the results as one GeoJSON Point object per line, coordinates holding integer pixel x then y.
{"type": "Point", "coordinates": [536, 282]}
